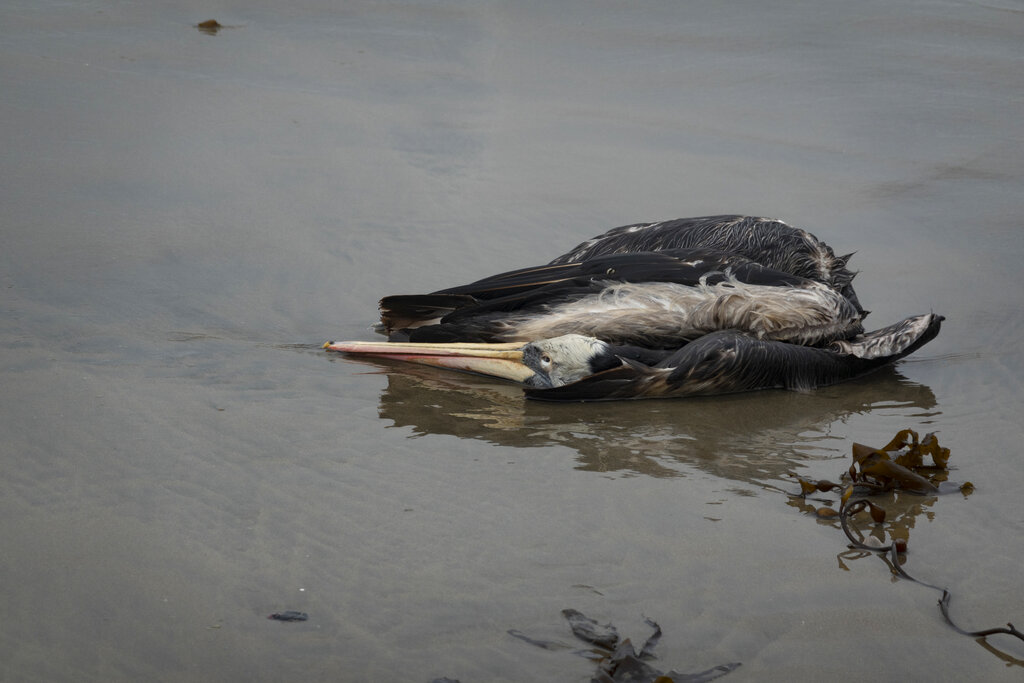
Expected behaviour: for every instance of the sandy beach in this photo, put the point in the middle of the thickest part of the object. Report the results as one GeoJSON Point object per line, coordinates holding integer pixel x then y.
{"type": "Point", "coordinates": [187, 216]}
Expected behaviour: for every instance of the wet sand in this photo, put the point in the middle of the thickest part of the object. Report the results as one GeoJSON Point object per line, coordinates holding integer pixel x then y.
{"type": "Point", "coordinates": [186, 217]}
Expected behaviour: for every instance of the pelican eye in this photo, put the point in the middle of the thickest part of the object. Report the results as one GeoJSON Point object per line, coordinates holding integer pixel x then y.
{"type": "Point", "coordinates": [610, 271]}
{"type": "Point", "coordinates": [546, 359]}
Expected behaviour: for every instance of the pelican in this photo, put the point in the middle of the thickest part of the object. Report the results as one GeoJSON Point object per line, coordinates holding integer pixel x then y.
{"type": "Point", "coordinates": [688, 307]}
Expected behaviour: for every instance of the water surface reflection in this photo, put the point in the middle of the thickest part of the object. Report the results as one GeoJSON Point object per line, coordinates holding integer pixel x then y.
{"type": "Point", "coordinates": [750, 438]}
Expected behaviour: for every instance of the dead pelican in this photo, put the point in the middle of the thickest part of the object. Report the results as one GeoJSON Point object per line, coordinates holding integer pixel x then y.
{"type": "Point", "coordinates": [693, 306]}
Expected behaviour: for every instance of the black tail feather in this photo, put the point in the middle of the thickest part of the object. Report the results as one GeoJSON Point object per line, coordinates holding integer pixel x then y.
{"type": "Point", "coordinates": [401, 311]}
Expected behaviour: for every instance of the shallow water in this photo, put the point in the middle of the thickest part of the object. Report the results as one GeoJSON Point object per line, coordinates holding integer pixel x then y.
{"type": "Point", "coordinates": [187, 217]}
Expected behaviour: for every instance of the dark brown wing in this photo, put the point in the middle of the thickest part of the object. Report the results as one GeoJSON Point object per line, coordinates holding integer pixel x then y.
{"type": "Point", "coordinates": [767, 241]}
{"type": "Point", "coordinates": [730, 362]}
{"type": "Point", "coordinates": [530, 288]}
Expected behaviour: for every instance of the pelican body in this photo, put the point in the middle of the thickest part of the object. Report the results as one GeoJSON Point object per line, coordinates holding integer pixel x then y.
{"type": "Point", "coordinates": [653, 299]}
{"type": "Point", "coordinates": [689, 307]}
{"type": "Point", "coordinates": [573, 368]}
{"type": "Point", "coordinates": [768, 241]}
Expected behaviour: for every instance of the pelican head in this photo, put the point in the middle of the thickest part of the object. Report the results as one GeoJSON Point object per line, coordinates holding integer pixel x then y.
{"type": "Point", "coordinates": [565, 359]}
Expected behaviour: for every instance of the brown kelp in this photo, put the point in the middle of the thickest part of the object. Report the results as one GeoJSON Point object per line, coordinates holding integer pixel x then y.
{"type": "Point", "coordinates": [900, 465]}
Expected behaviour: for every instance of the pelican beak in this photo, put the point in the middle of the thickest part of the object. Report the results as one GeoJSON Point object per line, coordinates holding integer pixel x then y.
{"type": "Point", "coordinates": [495, 360]}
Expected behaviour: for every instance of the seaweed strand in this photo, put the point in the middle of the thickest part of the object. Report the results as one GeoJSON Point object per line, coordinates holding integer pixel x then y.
{"type": "Point", "coordinates": [892, 560]}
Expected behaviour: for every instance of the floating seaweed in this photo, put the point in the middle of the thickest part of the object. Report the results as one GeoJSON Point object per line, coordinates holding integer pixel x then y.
{"type": "Point", "coordinates": [897, 466]}
{"type": "Point", "coordinates": [618, 661]}
{"type": "Point", "coordinates": [900, 463]}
